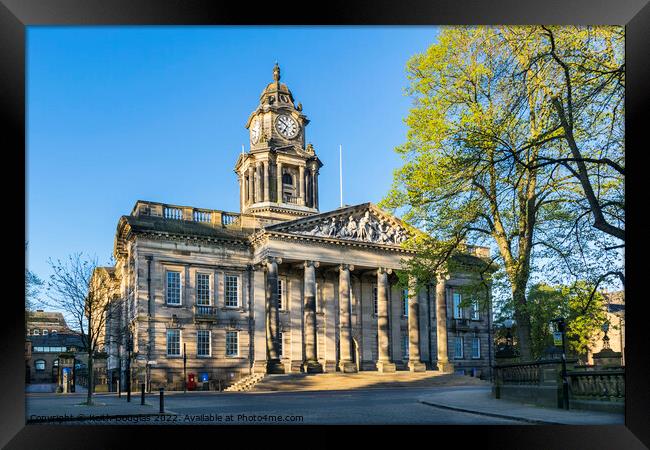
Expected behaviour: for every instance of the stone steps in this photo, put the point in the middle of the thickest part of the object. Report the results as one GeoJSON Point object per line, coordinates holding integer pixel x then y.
{"type": "Point", "coordinates": [362, 380]}
{"type": "Point", "coordinates": [246, 383]}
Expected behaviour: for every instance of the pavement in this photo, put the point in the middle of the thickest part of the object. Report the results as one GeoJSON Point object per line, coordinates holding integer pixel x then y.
{"type": "Point", "coordinates": [481, 402]}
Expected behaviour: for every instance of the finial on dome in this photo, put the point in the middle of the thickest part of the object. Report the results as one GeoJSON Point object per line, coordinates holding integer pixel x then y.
{"type": "Point", "coordinates": [276, 72]}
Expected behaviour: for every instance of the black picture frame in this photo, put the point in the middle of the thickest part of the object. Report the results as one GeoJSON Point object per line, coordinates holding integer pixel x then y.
{"type": "Point", "coordinates": [16, 15]}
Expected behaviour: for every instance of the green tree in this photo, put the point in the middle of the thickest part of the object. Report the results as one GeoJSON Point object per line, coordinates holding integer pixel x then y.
{"type": "Point", "coordinates": [583, 311]}
{"type": "Point", "coordinates": [485, 158]}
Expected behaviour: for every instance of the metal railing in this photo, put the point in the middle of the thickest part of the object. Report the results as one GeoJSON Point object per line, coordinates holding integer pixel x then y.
{"type": "Point", "coordinates": [205, 311]}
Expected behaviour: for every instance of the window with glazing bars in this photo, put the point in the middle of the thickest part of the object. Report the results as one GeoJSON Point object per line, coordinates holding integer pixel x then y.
{"type": "Point", "coordinates": [232, 343]}
{"type": "Point", "coordinates": [458, 311]}
{"type": "Point", "coordinates": [458, 347]}
{"type": "Point", "coordinates": [405, 345]}
{"type": "Point", "coordinates": [174, 342]}
{"type": "Point", "coordinates": [476, 347]}
{"type": "Point", "coordinates": [232, 290]}
{"type": "Point", "coordinates": [405, 302]}
{"type": "Point", "coordinates": [475, 310]}
{"type": "Point", "coordinates": [173, 288]}
{"type": "Point", "coordinates": [203, 343]}
{"type": "Point", "coordinates": [202, 289]}
{"type": "Point", "coordinates": [281, 293]}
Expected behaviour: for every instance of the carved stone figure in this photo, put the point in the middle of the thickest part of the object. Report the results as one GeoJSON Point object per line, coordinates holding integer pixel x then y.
{"type": "Point", "coordinates": [333, 231]}
{"type": "Point", "coordinates": [351, 228]}
{"type": "Point", "coordinates": [363, 230]}
{"type": "Point", "coordinates": [382, 229]}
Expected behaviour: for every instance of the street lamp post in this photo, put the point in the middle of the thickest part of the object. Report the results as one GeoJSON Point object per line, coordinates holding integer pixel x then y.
{"type": "Point", "coordinates": [561, 327]}
{"type": "Point", "coordinates": [184, 369]}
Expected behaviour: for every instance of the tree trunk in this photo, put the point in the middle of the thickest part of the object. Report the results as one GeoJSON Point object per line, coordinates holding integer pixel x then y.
{"type": "Point", "coordinates": [523, 321]}
{"type": "Point", "coordinates": [91, 380]}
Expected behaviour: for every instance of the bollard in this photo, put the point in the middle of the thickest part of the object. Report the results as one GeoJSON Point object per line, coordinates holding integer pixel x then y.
{"type": "Point", "coordinates": [142, 394]}
{"type": "Point", "coordinates": [162, 400]}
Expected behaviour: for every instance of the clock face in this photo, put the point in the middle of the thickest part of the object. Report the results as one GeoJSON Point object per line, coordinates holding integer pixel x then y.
{"type": "Point", "coordinates": [287, 126]}
{"type": "Point", "coordinates": [256, 131]}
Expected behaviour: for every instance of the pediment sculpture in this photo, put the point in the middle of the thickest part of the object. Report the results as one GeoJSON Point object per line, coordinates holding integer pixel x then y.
{"type": "Point", "coordinates": [359, 227]}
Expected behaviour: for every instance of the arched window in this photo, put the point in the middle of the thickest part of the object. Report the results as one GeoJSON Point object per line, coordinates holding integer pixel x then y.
{"type": "Point", "coordinates": [39, 364]}
{"type": "Point", "coordinates": [36, 332]}
{"type": "Point", "coordinates": [287, 179]}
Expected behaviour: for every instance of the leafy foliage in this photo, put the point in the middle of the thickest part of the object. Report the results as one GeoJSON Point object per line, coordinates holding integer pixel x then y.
{"type": "Point", "coordinates": [514, 140]}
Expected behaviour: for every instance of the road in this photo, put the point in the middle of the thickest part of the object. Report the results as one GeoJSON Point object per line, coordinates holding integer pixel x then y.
{"type": "Point", "coordinates": [359, 406]}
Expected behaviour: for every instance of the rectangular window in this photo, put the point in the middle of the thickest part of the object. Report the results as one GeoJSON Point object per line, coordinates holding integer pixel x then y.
{"type": "Point", "coordinates": [232, 343]}
{"type": "Point", "coordinates": [280, 343]}
{"type": "Point", "coordinates": [476, 347]}
{"type": "Point", "coordinates": [203, 343]}
{"type": "Point", "coordinates": [458, 347]}
{"type": "Point", "coordinates": [39, 365]}
{"type": "Point", "coordinates": [405, 302]}
{"type": "Point", "coordinates": [202, 289]}
{"type": "Point", "coordinates": [405, 345]}
{"type": "Point", "coordinates": [173, 342]}
{"type": "Point", "coordinates": [173, 288]}
{"type": "Point", "coordinates": [282, 288]}
{"type": "Point", "coordinates": [374, 300]}
{"type": "Point", "coordinates": [232, 291]}
{"type": "Point", "coordinates": [458, 311]}
{"type": "Point", "coordinates": [475, 310]}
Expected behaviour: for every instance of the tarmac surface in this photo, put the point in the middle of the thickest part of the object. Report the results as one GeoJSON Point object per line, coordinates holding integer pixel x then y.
{"type": "Point", "coordinates": [468, 405]}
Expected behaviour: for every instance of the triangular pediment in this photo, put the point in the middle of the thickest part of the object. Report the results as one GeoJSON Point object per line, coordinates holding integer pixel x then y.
{"type": "Point", "coordinates": [362, 223]}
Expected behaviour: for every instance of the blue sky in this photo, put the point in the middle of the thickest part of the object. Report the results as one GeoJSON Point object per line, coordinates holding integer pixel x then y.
{"type": "Point", "coordinates": [117, 114]}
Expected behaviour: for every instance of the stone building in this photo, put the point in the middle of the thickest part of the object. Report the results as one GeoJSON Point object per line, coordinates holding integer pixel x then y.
{"type": "Point", "coordinates": [42, 323]}
{"type": "Point", "coordinates": [615, 317]}
{"type": "Point", "coordinates": [43, 353]}
{"type": "Point", "coordinates": [280, 287]}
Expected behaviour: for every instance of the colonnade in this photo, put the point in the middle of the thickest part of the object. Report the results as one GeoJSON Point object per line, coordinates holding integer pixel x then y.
{"type": "Point", "coordinates": [346, 361]}
{"type": "Point", "coordinates": [256, 184]}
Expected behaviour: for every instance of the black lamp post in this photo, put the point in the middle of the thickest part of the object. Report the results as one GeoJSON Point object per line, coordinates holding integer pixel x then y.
{"type": "Point", "coordinates": [184, 369]}
{"type": "Point", "coordinates": [561, 327]}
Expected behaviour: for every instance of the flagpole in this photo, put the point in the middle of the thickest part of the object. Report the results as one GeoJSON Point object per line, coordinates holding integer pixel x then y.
{"type": "Point", "coordinates": [341, 172]}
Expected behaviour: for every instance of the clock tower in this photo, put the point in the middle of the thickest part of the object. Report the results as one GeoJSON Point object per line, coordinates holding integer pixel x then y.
{"type": "Point", "coordinates": [278, 176]}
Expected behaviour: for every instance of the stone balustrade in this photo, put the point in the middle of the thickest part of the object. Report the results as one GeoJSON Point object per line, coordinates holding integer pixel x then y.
{"type": "Point", "coordinates": [175, 212]}
{"type": "Point", "coordinates": [598, 384]}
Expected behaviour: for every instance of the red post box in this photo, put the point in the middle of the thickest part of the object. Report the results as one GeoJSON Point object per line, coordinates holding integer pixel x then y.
{"type": "Point", "coordinates": [191, 381]}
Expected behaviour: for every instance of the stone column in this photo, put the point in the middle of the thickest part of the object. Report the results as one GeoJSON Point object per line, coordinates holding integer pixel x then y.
{"type": "Point", "coordinates": [383, 364]}
{"type": "Point", "coordinates": [311, 364]}
{"type": "Point", "coordinates": [250, 199]}
{"type": "Point", "coordinates": [273, 364]}
{"type": "Point", "coordinates": [314, 182]}
{"type": "Point", "coordinates": [242, 192]}
{"type": "Point", "coordinates": [301, 185]}
{"type": "Point", "coordinates": [278, 171]}
{"type": "Point", "coordinates": [415, 363]}
{"type": "Point", "coordinates": [346, 362]}
{"type": "Point", "coordinates": [266, 169]}
{"type": "Point", "coordinates": [441, 325]}
{"type": "Point", "coordinates": [258, 182]}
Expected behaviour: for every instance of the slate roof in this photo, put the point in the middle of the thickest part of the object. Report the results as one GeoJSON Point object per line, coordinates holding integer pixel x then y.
{"type": "Point", "coordinates": [56, 340]}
